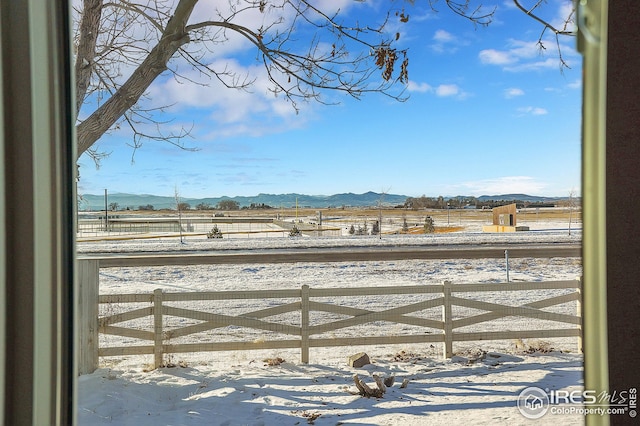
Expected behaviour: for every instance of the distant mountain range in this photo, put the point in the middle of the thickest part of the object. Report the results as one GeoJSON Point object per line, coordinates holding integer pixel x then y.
{"type": "Point", "coordinates": [133, 201]}
{"type": "Point", "coordinates": [91, 202]}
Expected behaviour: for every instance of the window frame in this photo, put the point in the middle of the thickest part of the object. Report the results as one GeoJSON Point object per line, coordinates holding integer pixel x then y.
{"type": "Point", "coordinates": [37, 212]}
{"type": "Point", "coordinates": [37, 205]}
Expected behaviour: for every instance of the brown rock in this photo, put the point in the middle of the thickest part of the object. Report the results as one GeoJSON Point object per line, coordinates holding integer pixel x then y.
{"type": "Point", "coordinates": [359, 360]}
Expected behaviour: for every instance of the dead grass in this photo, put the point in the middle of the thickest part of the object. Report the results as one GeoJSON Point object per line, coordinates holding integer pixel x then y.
{"type": "Point", "coordinates": [414, 230]}
{"type": "Point", "coordinates": [403, 356]}
{"type": "Point", "coordinates": [311, 417]}
{"type": "Point", "coordinates": [447, 229]}
{"type": "Point", "coordinates": [272, 362]}
{"type": "Point", "coordinates": [533, 346]}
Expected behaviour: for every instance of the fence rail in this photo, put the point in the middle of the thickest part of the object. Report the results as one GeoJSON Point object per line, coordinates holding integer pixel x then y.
{"type": "Point", "coordinates": [315, 313]}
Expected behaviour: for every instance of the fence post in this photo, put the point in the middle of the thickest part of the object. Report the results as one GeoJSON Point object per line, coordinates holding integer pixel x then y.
{"type": "Point", "coordinates": [447, 348]}
{"type": "Point", "coordinates": [579, 314]}
{"type": "Point", "coordinates": [157, 327]}
{"type": "Point", "coordinates": [506, 258]}
{"type": "Point", "coordinates": [304, 329]}
{"type": "Point", "coordinates": [87, 316]}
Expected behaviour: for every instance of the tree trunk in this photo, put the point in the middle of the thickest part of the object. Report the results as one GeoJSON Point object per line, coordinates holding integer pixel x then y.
{"type": "Point", "coordinates": [88, 35]}
{"type": "Point", "coordinates": [174, 37]}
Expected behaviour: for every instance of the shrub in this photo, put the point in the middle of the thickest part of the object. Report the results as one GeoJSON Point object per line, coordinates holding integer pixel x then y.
{"type": "Point", "coordinates": [428, 225]}
{"type": "Point", "coordinates": [362, 230]}
{"type": "Point", "coordinates": [295, 232]}
{"type": "Point", "coordinates": [214, 233]}
{"type": "Point", "coordinates": [375, 229]}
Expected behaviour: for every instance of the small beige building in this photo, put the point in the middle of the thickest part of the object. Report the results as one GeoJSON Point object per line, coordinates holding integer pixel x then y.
{"type": "Point", "coordinates": [504, 220]}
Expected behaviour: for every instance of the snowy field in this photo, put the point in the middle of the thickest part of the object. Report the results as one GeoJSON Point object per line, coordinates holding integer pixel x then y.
{"type": "Point", "coordinates": [272, 387]}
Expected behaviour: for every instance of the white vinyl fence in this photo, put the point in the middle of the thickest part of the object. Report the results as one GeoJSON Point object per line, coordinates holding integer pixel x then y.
{"type": "Point", "coordinates": [163, 323]}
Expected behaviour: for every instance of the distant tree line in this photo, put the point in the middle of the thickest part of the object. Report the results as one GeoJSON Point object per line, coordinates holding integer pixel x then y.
{"type": "Point", "coordinates": [521, 204]}
{"type": "Point", "coordinates": [221, 205]}
{"type": "Point", "coordinates": [440, 202]}
{"type": "Point", "coordinates": [232, 205]}
{"type": "Point", "coordinates": [424, 202]}
{"type": "Point", "coordinates": [182, 206]}
{"type": "Point", "coordinates": [258, 206]}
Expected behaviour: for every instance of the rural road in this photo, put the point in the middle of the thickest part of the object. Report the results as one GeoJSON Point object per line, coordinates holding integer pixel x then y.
{"type": "Point", "coordinates": [334, 254]}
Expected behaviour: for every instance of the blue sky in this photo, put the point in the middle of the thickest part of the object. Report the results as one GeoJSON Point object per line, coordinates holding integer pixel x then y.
{"type": "Point", "coordinates": [487, 114]}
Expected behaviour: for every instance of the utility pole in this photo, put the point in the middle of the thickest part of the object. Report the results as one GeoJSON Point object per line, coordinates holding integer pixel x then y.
{"type": "Point", "coordinates": [106, 212]}
{"type": "Point", "coordinates": [178, 208]}
{"type": "Point", "coordinates": [384, 192]}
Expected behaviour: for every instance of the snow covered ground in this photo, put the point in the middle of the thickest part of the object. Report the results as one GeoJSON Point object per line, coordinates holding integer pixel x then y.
{"type": "Point", "coordinates": [272, 387]}
{"type": "Point", "coordinates": [241, 389]}
{"type": "Point", "coordinates": [541, 232]}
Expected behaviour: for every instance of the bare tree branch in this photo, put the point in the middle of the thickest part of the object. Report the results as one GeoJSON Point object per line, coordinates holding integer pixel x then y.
{"type": "Point", "coordinates": [478, 15]}
{"type": "Point", "coordinates": [546, 25]}
{"type": "Point", "coordinates": [123, 46]}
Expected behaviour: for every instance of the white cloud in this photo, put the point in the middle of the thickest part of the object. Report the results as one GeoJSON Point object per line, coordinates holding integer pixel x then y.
{"type": "Point", "coordinates": [529, 110]}
{"type": "Point", "coordinates": [565, 19]}
{"type": "Point", "coordinates": [443, 36]}
{"type": "Point", "coordinates": [504, 185]}
{"type": "Point", "coordinates": [276, 19]}
{"type": "Point", "coordinates": [520, 55]}
{"type": "Point", "coordinates": [524, 49]}
{"type": "Point", "coordinates": [231, 109]}
{"type": "Point", "coordinates": [445, 42]}
{"type": "Point", "coordinates": [513, 92]}
{"type": "Point", "coordinates": [445, 90]}
{"type": "Point", "coordinates": [441, 90]}
{"type": "Point", "coordinates": [412, 86]}
{"type": "Point", "coordinates": [548, 63]}
{"type": "Point", "coordinates": [577, 84]}
{"type": "Point", "coordinates": [563, 11]}
{"type": "Point", "coordinates": [495, 57]}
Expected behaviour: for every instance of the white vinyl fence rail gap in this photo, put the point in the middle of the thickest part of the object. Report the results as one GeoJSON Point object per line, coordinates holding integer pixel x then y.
{"type": "Point", "coordinates": [308, 317]}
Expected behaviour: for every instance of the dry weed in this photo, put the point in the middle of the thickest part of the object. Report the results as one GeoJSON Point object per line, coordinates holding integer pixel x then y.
{"type": "Point", "coordinates": [403, 356]}
{"type": "Point", "coordinates": [272, 362]}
